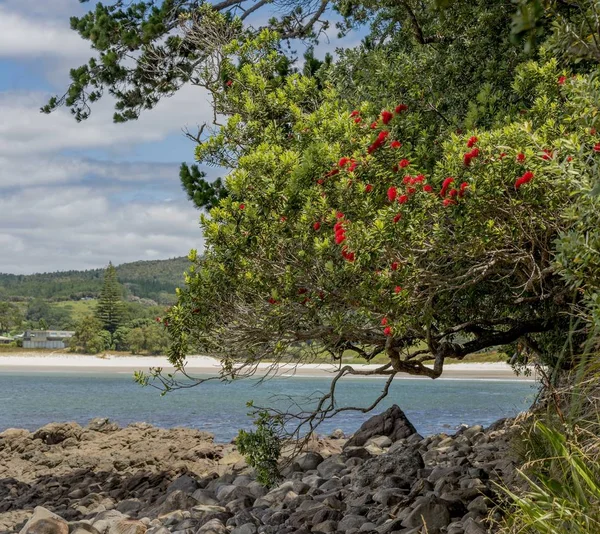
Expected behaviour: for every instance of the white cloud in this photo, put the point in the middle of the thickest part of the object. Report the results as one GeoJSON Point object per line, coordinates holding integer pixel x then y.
{"type": "Point", "coordinates": [59, 228]}
{"type": "Point", "coordinates": [26, 37]}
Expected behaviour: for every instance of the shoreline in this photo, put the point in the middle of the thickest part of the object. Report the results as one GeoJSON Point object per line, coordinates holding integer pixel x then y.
{"type": "Point", "coordinates": [82, 364]}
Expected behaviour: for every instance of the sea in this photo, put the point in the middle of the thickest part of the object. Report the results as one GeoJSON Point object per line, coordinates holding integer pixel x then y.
{"type": "Point", "coordinates": [32, 399]}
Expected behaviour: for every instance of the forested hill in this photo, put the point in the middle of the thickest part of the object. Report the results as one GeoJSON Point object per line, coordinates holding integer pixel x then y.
{"type": "Point", "coordinates": [154, 280]}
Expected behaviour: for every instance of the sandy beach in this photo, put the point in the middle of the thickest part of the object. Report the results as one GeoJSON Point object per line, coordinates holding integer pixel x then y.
{"type": "Point", "coordinates": [75, 363]}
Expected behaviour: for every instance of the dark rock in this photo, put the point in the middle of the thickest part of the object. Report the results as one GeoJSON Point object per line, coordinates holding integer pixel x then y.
{"type": "Point", "coordinates": [391, 423]}
{"type": "Point", "coordinates": [431, 512]}
{"type": "Point", "coordinates": [351, 521]}
{"type": "Point", "coordinates": [247, 528]}
{"type": "Point", "coordinates": [326, 527]}
{"type": "Point", "coordinates": [55, 433]}
{"type": "Point", "coordinates": [184, 483]}
{"type": "Point", "coordinates": [309, 461]}
{"type": "Point", "coordinates": [214, 526]}
{"type": "Point", "coordinates": [331, 466]}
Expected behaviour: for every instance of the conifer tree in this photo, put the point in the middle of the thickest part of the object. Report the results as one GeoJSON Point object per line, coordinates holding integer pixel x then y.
{"type": "Point", "coordinates": [111, 310]}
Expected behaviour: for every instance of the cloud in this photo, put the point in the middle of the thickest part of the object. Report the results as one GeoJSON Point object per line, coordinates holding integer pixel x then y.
{"type": "Point", "coordinates": [27, 37]}
{"type": "Point", "coordinates": [75, 227]}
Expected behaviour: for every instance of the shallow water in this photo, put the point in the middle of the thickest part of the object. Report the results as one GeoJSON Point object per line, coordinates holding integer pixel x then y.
{"type": "Point", "coordinates": [30, 400]}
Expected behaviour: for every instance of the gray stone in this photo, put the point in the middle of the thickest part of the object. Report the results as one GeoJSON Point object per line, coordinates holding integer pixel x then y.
{"type": "Point", "coordinates": [177, 500]}
{"type": "Point", "coordinates": [391, 423]}
{"type": "Point", "coordinates": [184, 483]}
{"type": "Point", "coordinates": [247, 528]}
{"type": "Point", "coordinates": [45, 522]}
{"type": "Point", "coordinates": [214, 526]}
{"type": "Point", "coordinates": [309, 461]}
{"type": "Point", "coordinates": [331, 466]}
{"type": "Point", "coordinates": [351, 521]}
{"type": "Point", "coordinates": [204, 497]}
{"type": "Point", "coordinates": [338, 433]}
{"type": "Point", "coordinates": [129, 506]}
{"type": "Point", "coordinates": [379, 441]}
{"type": "Point", "coordinates": [325, 527]}
{"type": "Point", "coordinates": [431, 512]}
{"type": "Point", "coordinates": [473, 527]}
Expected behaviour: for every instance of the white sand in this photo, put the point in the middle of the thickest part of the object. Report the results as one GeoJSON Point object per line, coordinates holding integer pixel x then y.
{"type": "Point", "coordinates": [74, 363]}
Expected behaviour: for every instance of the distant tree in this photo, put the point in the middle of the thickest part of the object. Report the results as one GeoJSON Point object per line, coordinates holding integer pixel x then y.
{"type": "Point", "coordinates": [89, 336]}
{"type": "Point", "coordinates": [150, 338]}
{"type": "Point", "coordinates": [110, 310]}
{"type": "Point", "coordinates": [119, 338]}
{"type": "Point", "coordinates": [10, 316]}
{"type": "Point", "coordinates": [40, 311]}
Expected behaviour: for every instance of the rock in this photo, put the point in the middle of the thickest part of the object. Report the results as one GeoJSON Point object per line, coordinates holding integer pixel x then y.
{"type": "Point", "coordinates": [45, 522]}
{"type": "Point", "coordinates": [431, 512]}
{"type": "Point", "coordinates": [184, 483]}
{"type": "Point", "coordinates": [177, 500]}
{"type": "Point", "coordinates": [102, 424]}
{"type": "Point", "coordinates": [129, 506]}
{"type": "Point", "coordinates": [309, 461]}
{"type": "Point", "coordinates": [351, 521]}
{"type": "Point", "coordinates": [127, 526]}
{"type": "Point", "coordinates": [55, 433]}
{"type": "Point", "coordinates": [81, 527]}
{"type": "Point", "coordinates": [379, 441]}
{"type": "Point", "coordinates": [246, 528]}
{"type": "Point", "coordinates": [214, 526]}
{"type": "Point", "coordinates": [391, 423]}
{"type": "Point", "coordinates": [331, 466]}
{"type": "Point", "coordinates": [472, 527]}
{"type": "Point", "coordinates": [325, 527]}
{"type": "Point", "coordinates": [338, 433]}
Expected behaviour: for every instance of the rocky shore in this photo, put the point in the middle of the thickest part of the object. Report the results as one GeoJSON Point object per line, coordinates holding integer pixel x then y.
{"type": "Point", "coordinates": [102, 479]}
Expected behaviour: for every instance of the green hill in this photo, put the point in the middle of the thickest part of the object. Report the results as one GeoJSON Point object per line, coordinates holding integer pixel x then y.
{"type": "Point", "coordinates": [155, 280]}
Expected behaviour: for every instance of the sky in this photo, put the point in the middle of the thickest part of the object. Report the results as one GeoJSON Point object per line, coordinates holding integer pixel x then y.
{"type": "Point", "coordinates": [78, 195]}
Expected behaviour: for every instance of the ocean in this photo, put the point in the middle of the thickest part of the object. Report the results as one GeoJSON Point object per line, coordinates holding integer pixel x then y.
{"type": "Point", "coordinates": [31, 400]}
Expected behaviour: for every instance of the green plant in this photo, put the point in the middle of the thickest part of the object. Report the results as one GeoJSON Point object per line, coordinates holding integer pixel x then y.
{"type": "Point", "coordinates": [262, 448]}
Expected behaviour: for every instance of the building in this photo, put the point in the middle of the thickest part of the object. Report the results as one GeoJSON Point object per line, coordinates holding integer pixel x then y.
{"type": "Point", "coordinates": [46, 339]}
{"type": "Point", "coordinates": [5, 340]}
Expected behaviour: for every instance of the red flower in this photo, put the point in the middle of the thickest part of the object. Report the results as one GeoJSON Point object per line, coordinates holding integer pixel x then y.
{"type": "Point", "coordinates": [332, 172]}
{"type": "Point", "coordinates": [502, 155]}
{"type": "Point", "coordinates": [527, 177]}
{"type": "Point", "coordinates": [419, 179]}
{"type": "Point", "coordinates": [382, 136]}
{"type": "Point", "coordinates": [445, 185]}
{"type": "Point", "coordinates": [463, 187]}
{"type": "Point", "coordinates": [597, 147]}
{"type": "Point", "coordinates": [562, 80]}
{"type": "Point", "coordinates": [570, 158]}
{"type": "Point", "coordinates": [548, 154]}
{"type": "Point", "coordinates": [392, 192]}
{"type": "Point", "coordinates": [453, 193]}
{"type": "Point", "coordinates": [427, 188]}
{"type": "Point", "coordinates": [387, 331]}
{"type": "Point", "coordinates": [368, 188]}
{"type": "Point", "coordinates": [448, 202]}
{"type": "Point", "coordinates": [469, 156]}
{"type": "Point", "coordinates": [316, 226]}
{"type": "Point", "coordinates": [355, 113]}
{"type": "Point", "coordinates": [302, 290]}
{"type": "Point", "coordinates": [272, 301]}
{"type": "Point", "coordinates": [283, 218]}
{"type": "Point", "coordinates": [242, 206]}
{"type": "Point", "coordinates": [320, 181]}
{"type": "Point", "coordinates": [343, 162]}
{"type": "Point", "coordinates": [401, 107]}
{"type": "Point", "coordinates": [340, 238]}
{"type": "Point", "coordinates": [357, 120]}
{"type": "Point", "coordinates": [395, 168]}
{"type": "Point", "coordinates": [229, 83]}
{"type": "Point", "coordinates": [402, 199]}
{"type": "Point", "coordinates": [373, 125]}
{"type": "Point", "coordinates": [386, 116]}
{"type": "Point", "coordinates": [352, 166]}
{"type": "Point", "coordinates": [520, 157]}
{"type": "Point", "coordinates": [593, 131]}
{"type": "Point", "coordinates": [404, 163]}
{"type": "Point", "coordinates": [471, 142]}
{"type": "Point", "coordinates": [397, 217]}
{"type": "Point", "coordinates": [384, 321]}
{"type": "Point", "coordinates": [158, 320]}
{"type": "Point", "coordinates": [348, 256]}
{"type": "Point", "coordinates": [395, 144]}
{"type": "Point", "coordinates": [407, 180]}
{"type": "Point", "coordinates": [394, 266]}
{"type": "Point", "coordinates": [397, 289]}
{"type": "Point", "coordinates": [339, 215]}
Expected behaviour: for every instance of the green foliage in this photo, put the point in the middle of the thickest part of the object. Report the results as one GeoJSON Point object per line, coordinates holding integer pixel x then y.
{"type": "Point", "coordinates": [150, 338]}
{"type": "Point", "coordinates": [89, 337]}
{"type": "Point", "coordinates": [199, 191]}
{"type": "Point", "coordinates": [155, 280]}
{"type": "Point", "coordinates": [10, 317]}
{"type": "Point", "coordinates": [262, 448]}
{"type": "Point", "coordinates": [110, 310]}
{"type": "Point", "coordinates": [53, 316]}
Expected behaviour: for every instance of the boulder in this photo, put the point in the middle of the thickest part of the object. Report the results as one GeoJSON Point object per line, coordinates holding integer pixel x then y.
{"type": "Point", "coordinates": [214, 526]}
{"type": "Point", "coordinates": [128, 526]}
{"type": "Point", "coordinates": [432, 513]}
{"type": "Point", "coordinates": [45, 522]}
{"type": "Point", "coordinates": [391, 423]}
{"type": "Point", "coordinates": [54, 433]}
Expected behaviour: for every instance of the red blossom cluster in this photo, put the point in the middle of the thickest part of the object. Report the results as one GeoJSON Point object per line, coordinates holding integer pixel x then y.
{"type": "Point", "coordinates": [520, 157]}
{"type": "Point", "coordinates": [400, 108]}
{"type": "Point", "coordinates": [378, 143]}
{"type": "Point", "coordinates": [445, 185]}
{"type": "Point", "coordinates": [469, 156]}
{"type": "Point", "coordinates": [396, 144]}
{"type": "Point", "coordinates": [386, 116]}
{"type": "Point", "coordinates": [368, 188]}
{"type": "Point", "coordinates": [392, 193]}
{"type": "Point", "coordinates": [548, 154]}
{"type": "Point", "coordinates": [527, 177]}
{"type": "Point", "coordinates": [472, 142]}
{"type": "Point", "coordinates": [597, 147]}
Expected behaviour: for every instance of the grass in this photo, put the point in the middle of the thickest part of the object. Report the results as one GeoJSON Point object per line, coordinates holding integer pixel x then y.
{"type": "Point", "coordinates": [78, 308]}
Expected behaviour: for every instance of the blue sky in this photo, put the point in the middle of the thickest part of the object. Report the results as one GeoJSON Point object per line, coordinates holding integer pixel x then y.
{"type": "Point", "coordinates": [76, 196]}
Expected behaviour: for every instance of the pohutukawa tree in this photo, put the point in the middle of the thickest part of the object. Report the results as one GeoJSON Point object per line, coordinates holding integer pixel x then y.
{"type": "Point", "coordinates": [409, 201]}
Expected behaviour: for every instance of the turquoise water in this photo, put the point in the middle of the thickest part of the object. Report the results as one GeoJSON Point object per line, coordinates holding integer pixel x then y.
{"type": "Point", "coordinates": [30, 400]}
